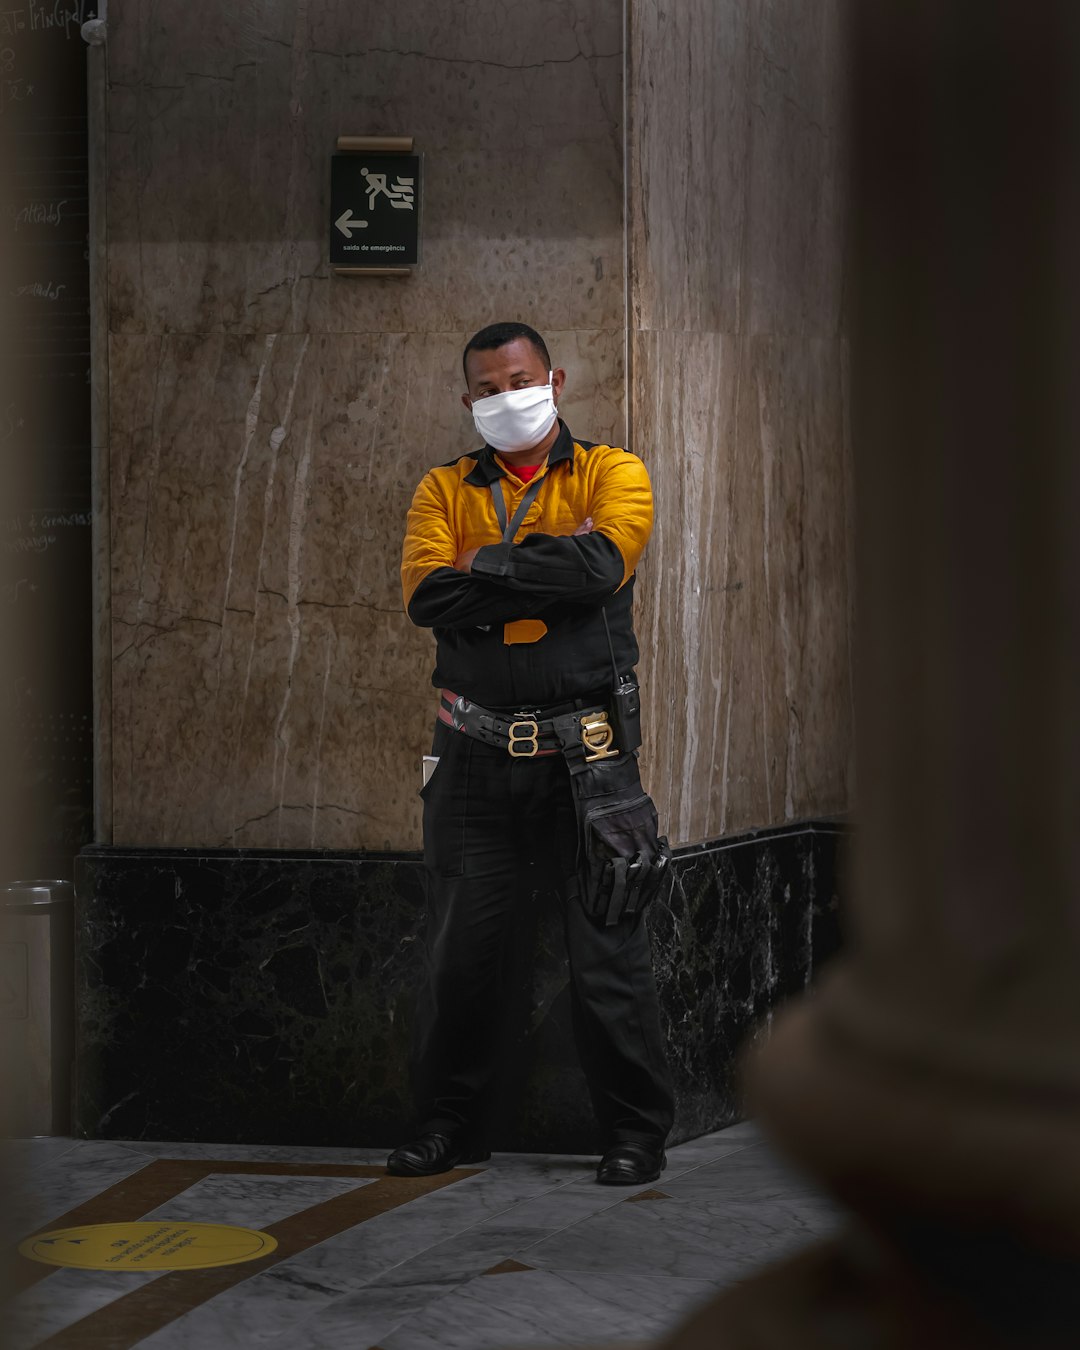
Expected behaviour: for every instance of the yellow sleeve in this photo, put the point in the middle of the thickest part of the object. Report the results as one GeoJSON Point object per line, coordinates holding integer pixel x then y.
{"type": "Point", "coordinates": [621, 506]}
{"type": "Point", "coordinates": [430, 538]}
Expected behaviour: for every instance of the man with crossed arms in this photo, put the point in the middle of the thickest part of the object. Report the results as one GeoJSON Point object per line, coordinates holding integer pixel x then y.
{"type": "Point", "coordinates": [515, 555]}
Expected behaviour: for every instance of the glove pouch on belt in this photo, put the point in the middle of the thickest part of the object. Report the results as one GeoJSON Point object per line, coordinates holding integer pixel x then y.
{"type": "Point", "coordinates": [622, 860]}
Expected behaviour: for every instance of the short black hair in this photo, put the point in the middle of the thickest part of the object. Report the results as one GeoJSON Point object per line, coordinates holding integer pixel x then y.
{"type": "Point", "coordinates": [498, 335]}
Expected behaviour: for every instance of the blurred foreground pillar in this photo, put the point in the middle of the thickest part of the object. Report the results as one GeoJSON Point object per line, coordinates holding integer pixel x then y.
{"type": "Point", "coordinates": [933, 1083]}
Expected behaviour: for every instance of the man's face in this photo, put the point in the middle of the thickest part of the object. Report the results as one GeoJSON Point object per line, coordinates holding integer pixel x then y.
{"type": "Point", "coordinates": [516, 365]}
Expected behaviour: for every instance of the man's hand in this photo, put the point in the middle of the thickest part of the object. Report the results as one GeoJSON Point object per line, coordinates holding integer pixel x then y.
{"type": "Point", "coordinates": [464, 560]}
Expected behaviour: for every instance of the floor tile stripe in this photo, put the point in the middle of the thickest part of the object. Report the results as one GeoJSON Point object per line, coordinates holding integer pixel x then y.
{"type": "Point", "coordinates": [138, 1314]}
{"type": "Point", "coordinates": [156, 1184]}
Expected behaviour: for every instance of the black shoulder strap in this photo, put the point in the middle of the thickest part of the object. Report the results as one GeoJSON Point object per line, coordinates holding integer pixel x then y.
{"type": "Point", "coordinates": [509, 530]}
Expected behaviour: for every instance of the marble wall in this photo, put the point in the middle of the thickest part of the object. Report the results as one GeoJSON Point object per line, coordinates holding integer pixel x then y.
{"type": "Point", "coordinates": [738, 396]}
{"type": "Point", "coordinates": [268, 420]}
{"type": "Point", "coordinates": [242, 995]}
{"type": "Point", "coordinates": [260, 426]}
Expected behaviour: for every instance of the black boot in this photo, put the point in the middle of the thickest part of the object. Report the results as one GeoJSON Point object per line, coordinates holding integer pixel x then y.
{"type": "Point", "coordinates": [429, 1154]}
{"type": "Point", "coordinates": [631, 1164]}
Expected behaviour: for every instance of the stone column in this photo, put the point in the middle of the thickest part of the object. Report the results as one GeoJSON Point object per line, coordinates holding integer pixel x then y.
{"type": "Point", "coordinates": [933, 1083]}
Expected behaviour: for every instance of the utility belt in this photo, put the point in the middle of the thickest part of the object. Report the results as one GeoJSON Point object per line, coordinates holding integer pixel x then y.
{"type": "Point", "coordinates": [622, 860]}
{"type": "Point", "coordinates": [584, 733]}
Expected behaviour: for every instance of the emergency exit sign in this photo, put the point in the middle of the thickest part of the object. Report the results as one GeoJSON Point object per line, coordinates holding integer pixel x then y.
{"type": "Point", "coordinates": [374, 210]}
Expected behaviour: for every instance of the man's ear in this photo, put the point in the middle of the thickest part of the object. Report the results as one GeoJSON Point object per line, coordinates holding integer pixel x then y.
{"type": "Point", "coordinates": [467, 402]}
{"type": "Point", "coordinates": [558, 379]}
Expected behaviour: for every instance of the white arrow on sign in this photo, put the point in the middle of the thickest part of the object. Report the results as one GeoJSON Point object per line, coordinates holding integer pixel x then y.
{"type": "Point", "coordinates": [346, 224]}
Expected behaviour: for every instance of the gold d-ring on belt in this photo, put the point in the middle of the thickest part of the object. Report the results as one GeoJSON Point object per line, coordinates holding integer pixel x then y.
{"type": "Point", "coordinates": [523, 738]}
{"type": "Point", "coordinates": [598, 737]}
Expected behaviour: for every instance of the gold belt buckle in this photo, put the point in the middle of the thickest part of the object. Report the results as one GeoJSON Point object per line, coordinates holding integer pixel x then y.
{"type": "Point", "coordinates": [525, 732]}
{"type": "Point", "coordinates": [598, 737]}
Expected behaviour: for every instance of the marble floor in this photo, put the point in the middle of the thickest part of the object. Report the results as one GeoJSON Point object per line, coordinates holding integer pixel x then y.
{"type": "Point", "coordinates": [524, 1251]}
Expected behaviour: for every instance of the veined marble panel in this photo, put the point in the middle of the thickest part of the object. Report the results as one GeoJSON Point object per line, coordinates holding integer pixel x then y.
{"type": "Point", "coordinates": [525, 1251]}
{"type": "Point", "coordinates": [735, 166]}
{"type": "Point", "coordinates": [269, 421]}
{"type": "Point", "coordinates": [687, 161]}
{"type": "Point", "coordinates": [263, 995]}
{"type": "Point", "coordinates": [222, 123]}
{"type": "Point", "coordinates": [252, 1201]}
{"type": "Point", "coordinates": [796, 187]}
{"type": "Point", "coordinates": [528, 1308]}
{"type": "Point", "coordinates": [268, 690]}
{"type": "Point", "coordinates": [739, 405]}
{"type": "Point", "coordinates": [65, 1297]}
{"type": "Point", "coordinates": [746, 587]}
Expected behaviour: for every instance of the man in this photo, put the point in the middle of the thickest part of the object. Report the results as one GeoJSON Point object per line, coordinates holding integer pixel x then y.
{"type": "Point", "coordinates": [521, 557]}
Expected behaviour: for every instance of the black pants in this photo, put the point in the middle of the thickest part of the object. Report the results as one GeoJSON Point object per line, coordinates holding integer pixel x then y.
{"type": "Point", "coordinates": [493, 825]}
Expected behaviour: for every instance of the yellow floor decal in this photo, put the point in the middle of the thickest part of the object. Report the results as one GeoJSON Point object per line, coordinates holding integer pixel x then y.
{"type": "Point", "coordinates": [161, 1245]}
{"type": "Point", "coordinates": [133, 1316]}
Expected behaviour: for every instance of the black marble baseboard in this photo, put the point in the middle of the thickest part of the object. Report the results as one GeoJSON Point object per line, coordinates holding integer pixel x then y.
{"type": "Point", "coordinates": [253, 996]}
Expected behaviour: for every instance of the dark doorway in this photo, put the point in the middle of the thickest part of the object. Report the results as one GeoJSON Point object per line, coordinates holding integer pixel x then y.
{"type": "Point", "coordinates": [45, 437]}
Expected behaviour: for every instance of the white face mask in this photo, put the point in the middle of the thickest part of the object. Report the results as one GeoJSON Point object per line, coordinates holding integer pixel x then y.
{"type": "Point", "coordinates": [518, 419]}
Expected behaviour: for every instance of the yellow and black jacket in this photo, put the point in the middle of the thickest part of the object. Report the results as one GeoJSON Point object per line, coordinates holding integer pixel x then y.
{"type": "Point", "coordinates": [525, 629]}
